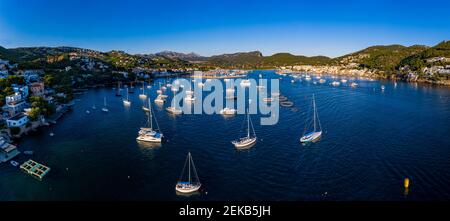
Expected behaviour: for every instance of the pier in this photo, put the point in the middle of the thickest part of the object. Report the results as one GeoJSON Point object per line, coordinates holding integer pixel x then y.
{"type": "Point", "coordinates": [35, 169]}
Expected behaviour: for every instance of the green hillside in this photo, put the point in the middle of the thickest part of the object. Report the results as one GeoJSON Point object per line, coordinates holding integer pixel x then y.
{"type": "Point", "coordinates": [417, 61]}
{"type": "Point", "coordinates": [382, 58]}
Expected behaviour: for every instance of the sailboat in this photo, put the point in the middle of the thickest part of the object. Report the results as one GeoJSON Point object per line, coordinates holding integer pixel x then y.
{"type": "Point", "coordinates": [159, 99]}
{"type": "Point", "coordinates": [173, 109]}
{"type": "Point", "coordinates": [104, 109]}
{"type": "Point", "coordinates": [144, 107]}
{"type": "Point", "coordinates": [132, 88]}
{"type": "Point", "coordinates": [189, 96]}
{"type": "Point", "coordinates": [127, 101]}
{"type": "Point", "coordinates": [159, 91]}
{"type": "Point", "coordinates": [245, 83]}
{"type": "Point", "coordinates": [118, 89]}
{"type": "Point", "coordinates": [191, 185]}
{"type": "Point", "coordinates": [143, 95]}
{"type": "Point", "coordinates": [250, 139]}
{"type": "Point", "coordinates": [228, 111]}
{"type": "Point", "coordinates": [148, 134]}
{"type": "Point", "coordinates": [317, 132]}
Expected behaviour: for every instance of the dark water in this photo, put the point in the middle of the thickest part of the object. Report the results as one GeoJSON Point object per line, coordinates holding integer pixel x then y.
{"type": "Point", "coordinates": [372, 140]}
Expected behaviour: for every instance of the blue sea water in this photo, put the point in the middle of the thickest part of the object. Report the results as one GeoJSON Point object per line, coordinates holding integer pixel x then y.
{"type": "Point", "coordinates": [372, 140]}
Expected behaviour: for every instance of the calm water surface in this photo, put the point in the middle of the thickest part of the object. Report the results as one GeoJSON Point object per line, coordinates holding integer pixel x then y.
{"type": "Point", "coordinates": [372, 140]}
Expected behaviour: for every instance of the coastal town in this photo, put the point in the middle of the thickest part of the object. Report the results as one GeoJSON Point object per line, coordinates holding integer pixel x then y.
{"type": "Point", "coordinates": [26, 105]}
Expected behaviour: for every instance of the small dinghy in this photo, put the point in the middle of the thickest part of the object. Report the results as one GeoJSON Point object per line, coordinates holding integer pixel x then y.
{"type": "Point", "coordinates": [14, 163]}
{"type": "Point", "coordinates": [286, 104]}
{"type": "Point", "coordinates": [188, 185]}
{"type": "Point", "coordinates": [28, 152]}
{"type": "Point", "coordinates": [268, 99]}
{"type": "Point", "coordinates": [282, 98]}
{"type": "Point", "coordinates": [335, 83]}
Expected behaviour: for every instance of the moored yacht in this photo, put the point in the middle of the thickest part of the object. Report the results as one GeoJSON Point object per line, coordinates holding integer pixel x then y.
{"type": "Point", "coordinates": [228, 111]}
{"type": "Point", "coordinates": [250, 139]}
{"type": "Point", "coordinates": [104, 109]}
{"type": "Point", "coordinates": [316, 133]}
{"type": "Point", "coordinates": [190, 185]}
{"type": "Point", "coordinates": [148, 134]}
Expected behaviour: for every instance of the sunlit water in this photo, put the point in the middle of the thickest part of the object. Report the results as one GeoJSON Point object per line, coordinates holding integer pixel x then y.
{"type": "Point", "coordinates": [372, 140]}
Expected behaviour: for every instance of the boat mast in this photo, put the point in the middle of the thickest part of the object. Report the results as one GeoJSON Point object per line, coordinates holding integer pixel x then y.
{"type": "Point", "coordinates": [314, 116]}
{"type": "Point", "coordinates": [189, 167]}
{"type": "Point", "coordinates": [248, 124]}
{"type": "Point", "coordinates": [104, 101]}
{"type": "Point", "coordinates": [150, 114]}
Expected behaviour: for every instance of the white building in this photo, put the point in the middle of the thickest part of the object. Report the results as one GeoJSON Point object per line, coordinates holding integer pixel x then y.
{"type": "Point", "coordinates": [17, 121]}
{"type": "Point", "coordinates": [7, 150]}
{"type": "Point", "coordinates": [14, 104]}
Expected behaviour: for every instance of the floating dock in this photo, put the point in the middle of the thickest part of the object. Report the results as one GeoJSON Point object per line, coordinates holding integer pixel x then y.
{"type": "Point", "coordinates": [35, 169]}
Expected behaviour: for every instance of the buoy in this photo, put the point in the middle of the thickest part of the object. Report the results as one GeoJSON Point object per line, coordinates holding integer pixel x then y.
{"type": "Point", "coordinates": [406, 183]}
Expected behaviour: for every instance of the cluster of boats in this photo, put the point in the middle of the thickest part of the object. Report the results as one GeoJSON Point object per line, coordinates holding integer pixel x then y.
{"type": "Point", "coordinates": [151, 132]}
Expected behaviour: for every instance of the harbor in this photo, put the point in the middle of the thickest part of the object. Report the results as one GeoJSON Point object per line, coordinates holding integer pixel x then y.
{"type": "Point", "coordinates": [97, 156]}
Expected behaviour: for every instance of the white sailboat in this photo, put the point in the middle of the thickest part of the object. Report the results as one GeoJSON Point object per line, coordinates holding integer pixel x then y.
{"type": "Point", "coordinates": [127, 102]}
{"type": "Point", "coordinates": [228, 111]}
{"type": "Point", "coordinates": [143, 95]}
{"type": "Point", "coordinates": [172, 109]}
{"type": "Point", "coordinates": [317, 132]}
{"type": "Point", "coordinates": [189, 96]}
{"type": "Point", "coordinates": [249, 140]}
{"type": "Point", "coordinates": [245, 83]}
{"type": "Point", "coordinates": [104, 109]}
{"type": "Point", "coordinates": [190, 185]}
{"type": "Point", "coordinates": [159, 99]}
{"type": "Point", "coordinates": [144, 107]}
{"type": "Point", "coordinates": [148, 134]}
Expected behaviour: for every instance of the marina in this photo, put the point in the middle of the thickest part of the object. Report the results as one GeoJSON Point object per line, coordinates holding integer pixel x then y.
{"type": "Point", "coordinates": [351, 161]}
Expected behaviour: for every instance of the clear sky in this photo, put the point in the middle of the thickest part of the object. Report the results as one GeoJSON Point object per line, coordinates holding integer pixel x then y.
{"type": "Point", "coordinates": [223, 26]}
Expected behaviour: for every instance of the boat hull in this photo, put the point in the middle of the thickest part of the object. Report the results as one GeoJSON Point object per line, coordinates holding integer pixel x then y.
{"type": "Point", "coordinates": [244, 144]}
{"type": "Point", "coordinates": [311, 137]}
{"type": "Point", "coordinates": [174, 111]}
{"type": "Point", "coordinates": [149, 139]}
{"type": "Point", "coordinates": [191, 189]}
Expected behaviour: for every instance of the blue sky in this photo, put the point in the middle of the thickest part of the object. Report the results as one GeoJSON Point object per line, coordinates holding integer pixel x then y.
{"type": "Point", "coordinates": [330, 28]}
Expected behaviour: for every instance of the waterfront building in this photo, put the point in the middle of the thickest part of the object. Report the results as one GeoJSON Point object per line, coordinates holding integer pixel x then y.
{"type": "Point", "coordinates": [14, 104]}
{"type": "Point", "coordinates": [17, 121]}
{"type": "Point", "coordinates": [7, 150]}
